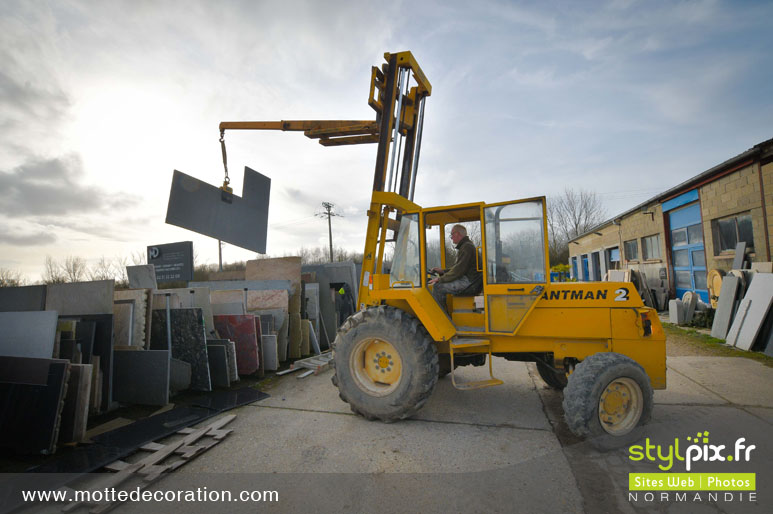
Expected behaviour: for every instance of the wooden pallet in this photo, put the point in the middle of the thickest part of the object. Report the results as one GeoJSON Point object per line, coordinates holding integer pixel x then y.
{"type": "Point", "coordinates": [314, 365]}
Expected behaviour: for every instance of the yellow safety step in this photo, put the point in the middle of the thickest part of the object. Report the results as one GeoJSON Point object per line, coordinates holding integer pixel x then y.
{"type": "Point", "coordinates": [468, 342]}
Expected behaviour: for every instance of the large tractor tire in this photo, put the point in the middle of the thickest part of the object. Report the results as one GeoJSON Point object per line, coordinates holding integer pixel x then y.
{"type": "Point", "coordinates": [607, 399]}
{"type": "Point", "coordinates": [552, 378]}
{"type": "Point", "coordinates": [386, 365]}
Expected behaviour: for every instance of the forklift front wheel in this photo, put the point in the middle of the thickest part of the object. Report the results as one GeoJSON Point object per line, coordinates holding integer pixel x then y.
{"type": "Point", "coordinates": [608, 398]}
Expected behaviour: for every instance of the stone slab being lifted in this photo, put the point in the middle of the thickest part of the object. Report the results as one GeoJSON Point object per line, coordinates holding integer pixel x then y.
{"type": "Point", "coordinates": [206, 209]}
{"type": "Point", "coordinates": [79, 298]}
{"type": "Point", "coordinates": [286, 268]}
{"type": "Point", "coordinates": [28, 334]}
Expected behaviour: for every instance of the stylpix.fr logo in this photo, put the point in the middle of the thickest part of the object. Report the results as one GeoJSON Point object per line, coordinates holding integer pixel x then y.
{"type": "Point", "coordinates": [697, 449]}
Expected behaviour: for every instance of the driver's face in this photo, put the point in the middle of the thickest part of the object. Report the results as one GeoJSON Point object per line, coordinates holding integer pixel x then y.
{"type": "Point", "coordinates": [456, 236]}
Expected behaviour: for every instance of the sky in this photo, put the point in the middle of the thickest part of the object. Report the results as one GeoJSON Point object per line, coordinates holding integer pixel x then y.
{"type": "Point", "coordinates": [101, 101]}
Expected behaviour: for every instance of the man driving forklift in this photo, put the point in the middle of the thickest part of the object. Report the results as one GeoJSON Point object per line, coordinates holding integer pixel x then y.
{"type": "Point", "coordinates": [462, 275]}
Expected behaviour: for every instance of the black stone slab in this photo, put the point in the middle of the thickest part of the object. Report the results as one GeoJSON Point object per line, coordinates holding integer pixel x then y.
{"type": "Point", "coordinates": [218, 365]}
{"type": "Point", "coordinates": [25, 298]}
{"type": "Point", "coordinates": [103, 347]}
{"type": "Point", "coordinates": [29, 414]}
{"type": "Point", "coordinates": [85, 331]}
{"type": "Point", "coordinates": [221, 401]}
{"type": "Point", "coordinates": [141, 377]}
{"type": "Point", "coordinates": [188, 342]}
{"type": "Point", "coordinates": [179, 375]}
{"type": "Point", "coordinates": [70, 349]}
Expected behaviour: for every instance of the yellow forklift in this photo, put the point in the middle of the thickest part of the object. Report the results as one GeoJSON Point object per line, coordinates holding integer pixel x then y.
{"type": "Point", "coordinates": [595, 340]}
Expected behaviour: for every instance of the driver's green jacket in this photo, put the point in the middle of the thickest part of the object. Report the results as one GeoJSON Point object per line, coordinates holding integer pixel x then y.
{"type": "Point", "coordinates": [465, 263]}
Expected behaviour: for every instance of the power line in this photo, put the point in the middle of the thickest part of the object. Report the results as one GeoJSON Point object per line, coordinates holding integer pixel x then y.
{"type": "Point", "coordinates": [329, 213]}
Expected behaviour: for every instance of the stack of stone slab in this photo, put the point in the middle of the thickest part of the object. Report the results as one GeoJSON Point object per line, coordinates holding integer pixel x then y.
{"type": "Point", "coordinates": [751, 327]}
{"type": "Point", "coordinates": [332, 307]}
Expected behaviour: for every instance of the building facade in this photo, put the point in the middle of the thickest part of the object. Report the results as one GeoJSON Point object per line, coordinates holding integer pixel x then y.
{"type": "Point", "coordinates": [676, 237]}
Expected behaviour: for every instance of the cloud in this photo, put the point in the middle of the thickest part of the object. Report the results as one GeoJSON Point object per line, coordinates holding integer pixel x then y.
{"type": "Point", "coordinates": [51, 187]}
{"type": "Point", "coordinates": [12, 237]}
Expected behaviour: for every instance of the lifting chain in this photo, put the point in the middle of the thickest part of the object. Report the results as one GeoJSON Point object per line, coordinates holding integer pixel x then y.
{"type": "Point", "coordinates": [227, 179]}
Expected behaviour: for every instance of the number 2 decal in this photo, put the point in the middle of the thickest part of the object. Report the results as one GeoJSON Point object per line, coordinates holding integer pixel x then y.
{"type": "Point", "coordinates": [622, 294]}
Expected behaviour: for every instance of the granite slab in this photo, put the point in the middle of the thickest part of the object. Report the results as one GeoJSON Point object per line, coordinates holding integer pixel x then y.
{"type": "Point", "coordinates": [24, 298]}
{"type": "Point", "coordinates": [195, 298]}
{"type": "Point", "coordinates": [142, 276]}
{"type": "Point", "coordinates": [79, 298]}
{"type": "Point", "coordinates": [28, 334]}
{"type": "Point", "coordinates": [270, 356]}
{"type": "Point", "coordinates": [241, 221]}
{"type": "Point", "coordinates": [723, 315]}
{"type": "Point", "coordinates": [241, 330]}
{"type": "Point", "coordinates": [31, 413]}
{"type": "Point", "coordinates": [284, 268]}
{"type": "Point", "coordinates": [75, 411]}
{"type": "Point", "coordinates": [141, 377]}
{"type": "Point", "coordinates": [188, 342]}
{"type": "Point", "coordinates": [218, 365]}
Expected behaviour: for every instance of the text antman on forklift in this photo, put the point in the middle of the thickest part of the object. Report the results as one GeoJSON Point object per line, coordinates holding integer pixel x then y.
{"type": "Point", "coordinates": [595, 340]}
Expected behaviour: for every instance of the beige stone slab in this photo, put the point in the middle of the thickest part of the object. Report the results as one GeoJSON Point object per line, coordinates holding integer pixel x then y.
{"type": "Point", "coordinates": [305, 343]}
{"type": "Point", "coordinates": [287, 268]}
{"type": "Point", "coordinates": [294, 350]}
{"type": "Point", "coordinates": [256, 300]}
{"type": "Point", "coordinates": [123, 323]}
{"type": "Point", "coordinates": [159, 301]}
{"type": "Point", "coordinates": [140, 297]}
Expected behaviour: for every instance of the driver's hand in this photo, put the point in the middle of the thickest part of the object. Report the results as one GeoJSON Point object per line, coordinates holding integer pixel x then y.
{"type": "Point", "coordinates": [433, 281]}
{"type": "Point", "coordinates": [439, 271]}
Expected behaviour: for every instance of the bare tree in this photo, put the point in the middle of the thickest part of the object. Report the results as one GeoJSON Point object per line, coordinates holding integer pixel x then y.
{"type": "Point", "coordinates": [569, 215]}
{"type": "Point", "coordinates": [11, 278]}
{"type": "Point", "coordinates": [74, 268]}
{"type": "Point", "coordinates": [53, 273]}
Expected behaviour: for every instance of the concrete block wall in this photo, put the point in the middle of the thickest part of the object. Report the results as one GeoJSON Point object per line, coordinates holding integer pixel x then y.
{"type": "Point", "coordinates": [736, 193]}
{"type": "Point", "coordinates": [767, 186]}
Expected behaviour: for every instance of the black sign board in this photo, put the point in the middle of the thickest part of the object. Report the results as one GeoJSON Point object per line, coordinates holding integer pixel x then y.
{"type": "Point", "coordinates": [173, 261]}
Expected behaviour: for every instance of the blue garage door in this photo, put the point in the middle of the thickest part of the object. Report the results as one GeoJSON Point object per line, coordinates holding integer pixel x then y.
{"type": "Point", "coordinates": [688, 257]}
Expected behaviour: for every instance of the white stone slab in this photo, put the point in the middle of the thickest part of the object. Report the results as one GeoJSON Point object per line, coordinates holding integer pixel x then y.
{"type": "Point", "coordinates": [142, 277]}
{"type": "Point", "coordinates": [690, 302]}
{"type": "Point", "coordinates": [738, 321]}
{"type": "Point", "coordinates": [676, 312]}
{"type": "Point", "coordinates": [28, 334]}
{"type": "Point", "coordinates": [724, 314]}
{"type": "Point", "coordinates": [760, 296]}
{"type": "Point", "coordinates": [78, 298]}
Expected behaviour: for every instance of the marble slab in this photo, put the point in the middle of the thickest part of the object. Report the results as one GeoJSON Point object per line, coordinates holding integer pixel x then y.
{"type": "Point", "coordinates": [25, 298]}
{"type": "Point", "coordinates": [256, 300]}
{"type": "Point", "coordinates": [159, 301]}
{"type": "Point", "coordinates": [188, 342]}
{"type": "Point", "coordinates": [230, 346]}
{"type": "Point", "coordinates": [195, 298]}
{"type": "Point", "coordinates": [281, 325]}
{"type": "Point", "coordinates": [218, 365]}
{"type": "Point", "coordinates": [284, 268]}
{"type": "Point", "coordinates": [123, 323]}
{"type": "Point", "coordinates": [142, 276]}
{"type": "Point", "coordinates": [724, 313]}
{"type": "Point", "coordinates": [78, 298]}
{"type": "Point", "coordinates": [222, 309]}
{"type": "Point", "coordinates": [241, 330]}
{"type": "Point", "coordinates": [141, 313]}
{"type": "Point", "coordinates": [270, 356]}
{"type": "Point", "coordinates": [141, 377]}
{"type": "Point", "coordinates": [28, 334]}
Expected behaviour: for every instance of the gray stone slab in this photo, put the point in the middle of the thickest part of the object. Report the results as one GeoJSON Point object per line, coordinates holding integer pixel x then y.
{"type": "Point", "coordinates": [123, 323]}
{"type": "Point", "coordinates": [723, 315]}
{"type": "Point", "coordinates": [736, 379]}
{"type": "Point", "coordinates": [251, 285]}
{"type": "Point", "coordinates": [141, 376]}
{"type": "Point", "coordinates": [312, 300]}
{"type": "Point", "coordinates": [690, 302]}
{"type": "Point", "coordinates": [740, 255]}
{"type": "Point", "coordinates": [25, 298]}
{"type": "Point", "coordinates": [218, 365]}
{"type": "Point", "coordinates": [738, 321]}
{"type": "Point", "coordinates": [179, 375]}
{"type": "Point", "coordinates": [760, 296]}
{"type": "Point", "coordinates": [241, 221]}
{"type": "Point", "coordinates": [676, 312]}
{"type": "Point", "coordinates": [270, 356]}
{"type": "Point", "coordinates": [195, 298]}
{"type": "Point", "coordinates": [28, 334]}
{"type": "Point", "coordinates": [142, 276]}
{"type": "Point", "coordinates": [79, 298]}
{"type": "Point", "coordinates": [230, 348]}
{"type": "Point", "coordinates": [223, 309]}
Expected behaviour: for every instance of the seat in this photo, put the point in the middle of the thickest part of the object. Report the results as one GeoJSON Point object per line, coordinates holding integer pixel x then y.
{"type": "Point", "coordinates": [475, 287]}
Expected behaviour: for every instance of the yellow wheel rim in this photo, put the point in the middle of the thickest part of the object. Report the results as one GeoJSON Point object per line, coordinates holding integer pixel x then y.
{"type": "Point", "coordinates": [620, 406]}
{"type": "Point", "coordinates": [376, 366]}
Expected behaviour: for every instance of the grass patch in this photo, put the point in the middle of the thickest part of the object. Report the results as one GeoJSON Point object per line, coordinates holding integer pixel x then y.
{"type": "Point", "coordinates": [712, 345]}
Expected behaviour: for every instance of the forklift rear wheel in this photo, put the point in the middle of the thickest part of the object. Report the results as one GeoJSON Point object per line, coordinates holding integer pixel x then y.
{"type": "Point", "coordinates": [608, 398]}
{"type": "Point", "coordinates": [386, 364]}
{"type": "Point", "coordinates": [552, 378]}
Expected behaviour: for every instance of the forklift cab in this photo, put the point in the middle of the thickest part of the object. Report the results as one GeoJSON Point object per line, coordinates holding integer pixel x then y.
{"type": "Point", "coordinates": [511, 238]}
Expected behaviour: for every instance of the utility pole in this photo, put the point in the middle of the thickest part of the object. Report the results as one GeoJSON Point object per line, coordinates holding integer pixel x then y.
{"type": "Point", "coordinates": [329, 213]}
